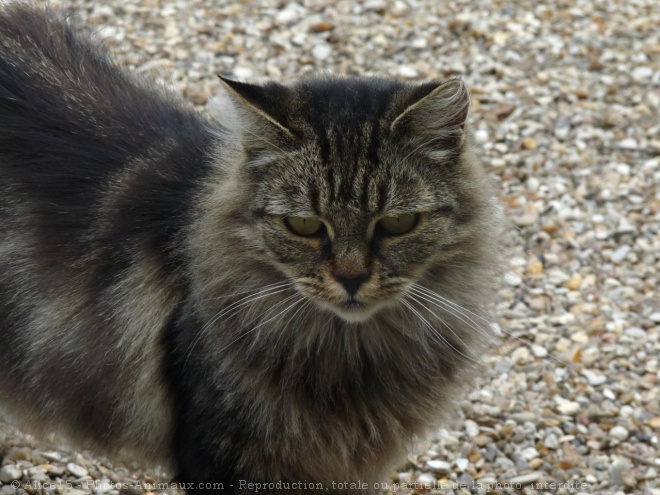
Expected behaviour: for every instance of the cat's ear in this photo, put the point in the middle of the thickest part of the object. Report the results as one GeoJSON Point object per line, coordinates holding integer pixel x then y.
{"type": "Point", "coordinates": [261, 108]}
{"type": "Point", "coordinates": [436, 110]}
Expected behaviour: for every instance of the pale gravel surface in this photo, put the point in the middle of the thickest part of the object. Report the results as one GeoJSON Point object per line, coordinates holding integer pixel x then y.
{"type": "Point", "coordinates": [566, 103]}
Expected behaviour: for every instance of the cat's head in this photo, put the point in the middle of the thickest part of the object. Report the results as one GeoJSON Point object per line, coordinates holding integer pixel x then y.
{"type": "Point", "coordinates": [356, 187]}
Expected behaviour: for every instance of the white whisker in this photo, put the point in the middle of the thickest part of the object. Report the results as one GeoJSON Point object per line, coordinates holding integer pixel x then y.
{"type": "Point", "coordinates": [449, 301]}
{"type": "Point", "coordinates": [447, 325]}
{"type": "Point", "coordinates": [304, 308]}
{"type": "Point", "coordinates": [456, 311]}
{"type": "Point", "coordinates": [255, 318]}
{"type": "Point", "coordinates": [234, 294]}
{"type": "Point", "coordinates": [250, 330]}
{"type": "Point", "coordinates": [460, 308]}
{"type": "Point", "coordinates": [231, 310]}
{"type": "Point", "coordinates": [443, 339]}
{"type": "Point", "coordinates": [285, 310]}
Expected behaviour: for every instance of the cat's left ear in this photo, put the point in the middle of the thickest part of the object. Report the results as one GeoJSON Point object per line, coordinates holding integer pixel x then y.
{"type": "Point", "coordinates": [436, 110]}
{"type": "Point", "coordinates": [263, 108]}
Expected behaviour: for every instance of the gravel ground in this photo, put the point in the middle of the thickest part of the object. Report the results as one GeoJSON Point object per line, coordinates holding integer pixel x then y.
{"type": "Point", "coordinates": [566, 98]}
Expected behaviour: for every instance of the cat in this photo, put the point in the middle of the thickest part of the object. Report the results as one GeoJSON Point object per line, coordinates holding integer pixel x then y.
{"type": "Point", "coordinates": [290, 290]}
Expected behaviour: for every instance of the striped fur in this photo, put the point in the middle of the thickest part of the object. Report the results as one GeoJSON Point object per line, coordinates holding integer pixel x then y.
{"type": "Point", "coordinates": [153, 302]}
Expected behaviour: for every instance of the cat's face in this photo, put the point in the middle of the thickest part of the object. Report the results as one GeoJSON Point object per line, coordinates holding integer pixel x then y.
{"type": "Point", "coordinates": [353, 240]}
{"type": "Point", "coordinates": [353, 200]}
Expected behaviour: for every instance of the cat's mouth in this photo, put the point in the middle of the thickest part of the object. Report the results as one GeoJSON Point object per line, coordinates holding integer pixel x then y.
{"type": "Point", "coordinates": [352, 310]}
{"type": "Point", "coordinates": [356, 308]}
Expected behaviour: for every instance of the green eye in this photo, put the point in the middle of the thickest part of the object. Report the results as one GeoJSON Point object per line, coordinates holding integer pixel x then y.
{"type": "Point", "coordinates": [304, 226]}
{"type": "Point", "coordinates": [398, 225]}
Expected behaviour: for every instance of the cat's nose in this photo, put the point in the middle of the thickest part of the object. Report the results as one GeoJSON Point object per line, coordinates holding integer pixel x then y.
{"type": "Point", "coordinates": [353, 282]}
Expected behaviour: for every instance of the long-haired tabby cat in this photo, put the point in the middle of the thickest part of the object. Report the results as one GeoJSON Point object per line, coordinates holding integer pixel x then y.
{"type": "Point", "coordinates": [292, 291]}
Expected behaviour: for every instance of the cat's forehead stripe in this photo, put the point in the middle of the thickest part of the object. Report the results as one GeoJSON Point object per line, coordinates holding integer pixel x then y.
{"type": "Point", "coordinates": [345, 102]}
{"type": "Point", "coordinates": [347, 118]}
{"type": "Point", "coordinates": [351, 164]}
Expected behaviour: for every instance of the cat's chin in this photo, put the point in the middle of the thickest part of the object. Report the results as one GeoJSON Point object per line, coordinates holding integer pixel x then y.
{"type": "Point", "coordinates": [353, 312]}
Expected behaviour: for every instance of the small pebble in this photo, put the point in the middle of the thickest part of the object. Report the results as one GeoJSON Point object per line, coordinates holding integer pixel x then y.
{"type": "Point", "coordinates": [442, 467]}
{"type": "Point", "coordinates": [550, 442]}
{"type": "Point", "coordinates": [513, 279]}
{"type": "Point", "coordinates": [404, 477]}
{"type": "Point", "coordinates": [426, 478]}
{"type": "Point", "coordinates": [53, 470]}
{"type": "Point", "coordinates": [520, 355]}
{"type": "Point", "coordinates": [77, 470]}
{"type": "Point", "coordinates": [574, 282]}
{"type": "Point", "coordinates": [526, 220]}
{"type": "Point", "coordinates": [37, 474]}
{"type": "Point", "coordinates": [529, 143]}
{"type": "Point", "coordinates": [465, 480]}
{"type": "Point", "coordinates": [471, 428]}
{"type": "Point", "coordinates": [524, 417]}
{"type": "Point", "coordinates": [642, 74]}
{"type": "Point", "coordinates": [618, 471]}
{"type": "Point", "coordinates": [243, 72]}
{"type": "Point", "coordinates": [539, 352]}
{"type": "Point", "coordinates": [408, 72]}
{"type": "Point", "coordinates": [530, 453]}
{"type": "Point", "coordinates": [52, 456]}
{"type": "Point", "coordinates": [619, 433]}
{"type": "Point", "coordinates": [620, 253]}
{"type": "Point", "coordinates": [10, 473]}
{"type": "Point", "coordinates": [102, 486]}
{"type": "Point", "coordinates": [651, 474]}
{"type": "Point", "coordinates": [567, 407]}
{"type": "Point", "coordinates": [481, 136]}
{"type": "Point", "coordinates": [321, 52]}
{"type": "Point", "coordinates": [635, 333]}
{"type": "Point", "coordinates": [594, 379]}
{"type": "Point", "coordinates": [525, 479]}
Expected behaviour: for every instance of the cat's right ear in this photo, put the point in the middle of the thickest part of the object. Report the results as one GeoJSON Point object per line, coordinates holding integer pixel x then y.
{"type": "Point", "coordinates": [261, 110]}
{"type": "Point", "coordinates": [437, 112]}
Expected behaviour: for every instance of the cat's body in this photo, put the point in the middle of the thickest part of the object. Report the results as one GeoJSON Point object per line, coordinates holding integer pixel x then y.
{"type": "Point", "coordinates": [159, 292]}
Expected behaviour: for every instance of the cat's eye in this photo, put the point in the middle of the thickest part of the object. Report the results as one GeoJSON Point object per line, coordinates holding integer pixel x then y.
{"type": "Point", "coordinates": [399, 224]}
{"type": "Point", "coordinates": [304, 226]}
